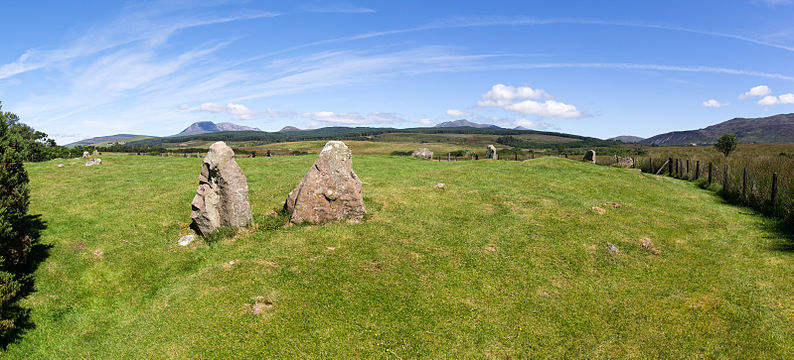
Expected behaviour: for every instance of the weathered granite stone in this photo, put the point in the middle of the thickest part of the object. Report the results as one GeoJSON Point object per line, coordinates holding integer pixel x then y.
{"type": "Point", "coordinates": [94, 161]}
{"type": "Point", "coordinates": [95, 153]}
{"type": "Point", "coordinates": [331, 190]}
{"type": "Point", "coordinates": [86, 155]}
{"type": "Point", "coordinates": [590, 156]}
{"type": "Point", "coordinates": [222, 196]}
{"type": "Point", "coordinates": [490, 152]}
{"type": "Point", "coordinates": [423, 153]}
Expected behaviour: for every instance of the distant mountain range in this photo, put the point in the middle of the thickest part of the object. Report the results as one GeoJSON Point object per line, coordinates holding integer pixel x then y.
{"type": "Point", "coordinates": [106, 139]}
{"type": "Point", "coordinates": [464, 122]}
{"type": "Point", "coordinates": [289, 128]}
{"type": "Point", "coordinates": [627, 138]}
{"type": "Point", "coordinates": [777, 128]}
{"type": "Point", "coordinates": [203, 127]}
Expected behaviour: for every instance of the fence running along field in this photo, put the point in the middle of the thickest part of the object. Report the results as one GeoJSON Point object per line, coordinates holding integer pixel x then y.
{"type": "Point", "coordinates": [762, 182]}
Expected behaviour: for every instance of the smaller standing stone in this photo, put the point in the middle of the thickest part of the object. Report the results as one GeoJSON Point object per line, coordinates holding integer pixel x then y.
{"type": "Point", "coordinates": [86, 155]}
{"type": "Point", "coordinates": [590, 156]}
{"type": "Point", "coordinates": [423, 153]}
{"type": "Point", "coordinates": [626, 162]}
{"type": "Point", "coordinates": [490, 152]}
{"type": "Point", "coordinates": [186, 240]}
{"type": "Point", "coordinates": [94, 161]}
{"type": "Point", "coordinates": [96, 153]}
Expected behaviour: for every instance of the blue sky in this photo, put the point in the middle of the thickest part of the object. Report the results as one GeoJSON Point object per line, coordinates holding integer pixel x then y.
{"type": "Point", "coordinates": [584, 67]}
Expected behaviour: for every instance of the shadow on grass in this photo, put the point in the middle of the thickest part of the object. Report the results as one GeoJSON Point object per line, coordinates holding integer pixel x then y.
{"type": "Point", "coordinates": [13, 311]}
{"type": "Point", "coordinates": [785, 240]}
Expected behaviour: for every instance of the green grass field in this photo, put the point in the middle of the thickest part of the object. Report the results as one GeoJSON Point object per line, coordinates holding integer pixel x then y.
{"type": "Point", "coordinates": [509, 262]}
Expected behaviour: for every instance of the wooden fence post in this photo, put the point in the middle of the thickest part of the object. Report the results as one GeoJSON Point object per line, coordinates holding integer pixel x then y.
{"type": "Point", "coordinates": [744, 183]}
{"type": "Point", "coordinates": [670, 169]}
{"type": "Point", "coordinates": [725, 180]}
{"type": "Point", "coordinates": [710, 173]}
{"type": "Point", "coordinates": [633, 163]}
{"type": "Point", "coordinates": [517, 156]}
{"type": "Point", "coordinates": [774, 189]}
{"type": "Point", "coordinates": [697, 169]}
{"type": "Point", "coordinates": [687, 168]}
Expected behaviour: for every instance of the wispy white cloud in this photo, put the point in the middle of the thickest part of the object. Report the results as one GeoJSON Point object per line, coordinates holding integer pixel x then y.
{"type": "Point", "coordinates": [760, 90]}
{"type": "Point", "coordinates": [457, 113]}
{"type": "Point", "coordinates": [352, 118]}
{"type": "Point", "coordinates": [344, 8]}
{"type": "Point", "coordinates": [239, 111]}
{"type": "Point", "coordinates": [772, 3]}
{"type": "Point", "coordinates": [506, 97]}
{"type": "Point", "coordinates": [712, 103]}
{"type": "Point", "coordinates": [149, 27]}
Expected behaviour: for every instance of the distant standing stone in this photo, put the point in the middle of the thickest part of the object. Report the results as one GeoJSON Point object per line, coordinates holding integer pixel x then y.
{"type": "Point", "coordinates": [95, 153]}
{"type": "Point", "coordinates": [331, 190]}
{"type": "Point", "coordinates": [94, 161]}
{"type": "Point", "coordinates": [423, 153]}
{"type": "Point", "coordinates": [222, 196]}
{"type": "Point", "coordinates": [86, 155]}
{"type": "Point", "coordinates": [490, 152]}
{"type": "Point", "coordinates": [590, 156]}
{"type": "Point", "coordinates": [186, 240]}
{"type": "Point", "coordinates": [627, 162]}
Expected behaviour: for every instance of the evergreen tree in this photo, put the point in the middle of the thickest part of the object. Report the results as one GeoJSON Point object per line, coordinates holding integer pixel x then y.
{"type": "Point", "coordinates": [15, 243]}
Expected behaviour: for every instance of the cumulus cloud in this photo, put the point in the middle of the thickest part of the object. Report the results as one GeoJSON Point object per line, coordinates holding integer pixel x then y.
{"type": "Point", "coordinates": [760, 90]}
{"type": "Point", "coordinates": [712, 103]}
{"type": "Point", "coordinates": [352, 118]}
{"type": "Point", "coordinates": [239, 111]}
{"type": "Point", "coordinates": [777, 100]}
{"type": "Point", "coordinates": [529, 124]}
{"type": "Point", "coordinates": [501, 95]}
{"type": "Point", "coordinates": [506, 98]}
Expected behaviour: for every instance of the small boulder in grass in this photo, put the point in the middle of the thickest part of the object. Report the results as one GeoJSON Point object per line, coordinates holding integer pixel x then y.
{"type": "Point", "coordinates": [186, 240]}
{"type": "Point", "coordinates": [60, 165]}
{"type": "Point", "coordinates": [612, 248]}
{"type": "Point", "coordinates": [440, 186]}
{"type": "Point", "coordinates": [94, 161]}
{"type": "Point", "coordinates": [646, 244]}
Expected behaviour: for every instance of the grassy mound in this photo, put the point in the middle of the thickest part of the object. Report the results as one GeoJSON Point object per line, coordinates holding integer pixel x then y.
{"type": "Point", "coordinates": [509, 261]}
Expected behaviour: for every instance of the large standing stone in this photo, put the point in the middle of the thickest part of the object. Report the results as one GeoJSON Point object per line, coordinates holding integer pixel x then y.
{"type": "Point", "coordinates": [86, 155]}
{"type": "Point", "coordinates": [222, 196]}
{"type": "Point", "coordinates": [590, 156]}
{"type": "Point", "coordinates": [626, 162]}
{"type": "Point", "coordinates": [331, 190]}
{"type": "Point", "coordinates": [490, 152]}
{"type": "Point", "coordinates": [423, 153]}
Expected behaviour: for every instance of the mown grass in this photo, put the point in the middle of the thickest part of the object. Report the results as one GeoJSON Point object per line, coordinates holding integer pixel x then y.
{"type": "Point", "coordinates": [510, 261]}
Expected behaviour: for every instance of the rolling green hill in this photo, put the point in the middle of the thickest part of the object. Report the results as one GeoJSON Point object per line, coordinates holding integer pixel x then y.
{"type": "Point", "coordinates": [511, 261]}
{"type": "Point", "coordinates": [772, 129]}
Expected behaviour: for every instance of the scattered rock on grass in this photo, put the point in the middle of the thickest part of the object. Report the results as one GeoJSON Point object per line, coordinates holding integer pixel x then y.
{"type": "Point", "coordinates": [646, 244]}
{"type": "Point", "coordinates": [261, 304]}
{"type": "Point", "coordinates": [440, 186]}
{"type": "Point", "coordinates": [86, 155]}
{"type": "Point", "coordinates": [613, 248]}
{"type": "Point", "coordinates": [185, 240]}
{"type": "Point", "coordinates": [98, 252]}
{"type": "Point", "coordinates": [93, 162]}
{"type": "Point", "coordinates": [60, 165]}
{"type": "Point", "coordinates": [626, 162]}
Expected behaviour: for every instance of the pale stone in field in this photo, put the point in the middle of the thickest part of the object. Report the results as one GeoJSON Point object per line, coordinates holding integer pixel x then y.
{"type": "Point", "coordinates": [490, 152]}
{"type": "Point", "coordinates": [331, 190]}
{"type": "Point", "coordinates": [92, 162]}
{"type": "Point", "coordinates": [86, 155]}
{"type": "Point", "coordinates": [222, 196]}
{"type": "Point", "coordinates": [186, 240]}
{"type": "Point", "coordinates": [423, 153]}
